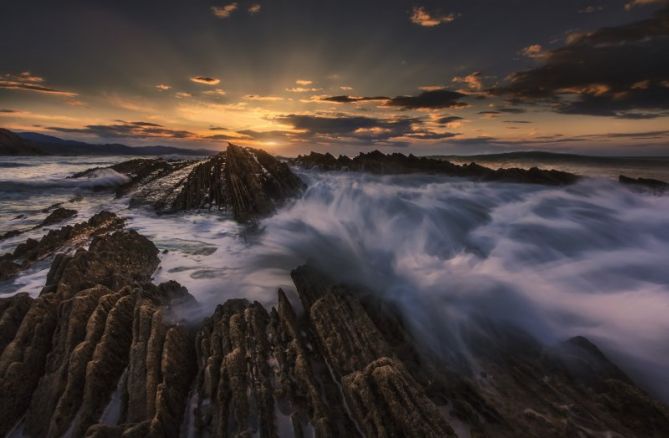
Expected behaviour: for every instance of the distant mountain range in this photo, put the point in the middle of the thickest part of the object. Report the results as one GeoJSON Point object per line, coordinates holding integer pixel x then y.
{"type": "Point", "coordinates": [32, 143]}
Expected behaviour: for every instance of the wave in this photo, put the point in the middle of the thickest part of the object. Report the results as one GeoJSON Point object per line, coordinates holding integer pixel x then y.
{"type": "Point", "coordinates": [100, 178]}
{"type": "Point", "coordinates": [587, 260]}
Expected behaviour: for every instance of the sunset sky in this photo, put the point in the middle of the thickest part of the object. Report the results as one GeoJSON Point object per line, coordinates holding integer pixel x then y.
{"type": "Point", "coordinates": [458, 76]}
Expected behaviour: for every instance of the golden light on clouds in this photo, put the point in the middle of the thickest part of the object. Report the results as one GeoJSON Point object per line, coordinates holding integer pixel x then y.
{"type": "Point", "coordinates": [421, 17]}
{"type": "Point", "coordinates": [205, 80]}
{"type": "Point", "coordinates": [224, 11]}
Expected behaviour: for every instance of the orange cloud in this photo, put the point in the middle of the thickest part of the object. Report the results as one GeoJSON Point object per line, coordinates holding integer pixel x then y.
{"type": "Point", "coordinates": [224, 11]}
{"type": "Point", "coordinates": [26, 81]}
{"type": "Point", "coordinates": [163, 87]}
{"type": "Point", "coordinates": [205, 80]}
{"type": "Point", "coordinates": [473, 80]}
{"type": "Point", "coordinates": [534, 51]}
{"type": "Point", "coordinates": [254, 8]}
{"type": "Point", "coordinates": [422, 17]}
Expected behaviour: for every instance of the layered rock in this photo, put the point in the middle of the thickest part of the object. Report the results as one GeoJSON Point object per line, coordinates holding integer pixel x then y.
{"type": "Point", "coordinates": [102, 352]}
{"type": "Point", "coordinates": [654, 185]}
{"type": "Point", "coordinates": [379, 163]}
{"type": "Point", "coordinates": [247, 183]}
{"type": "Point", "coordinates": [27, 253]}
{"type": "Point", "coordinates": [58, 215]}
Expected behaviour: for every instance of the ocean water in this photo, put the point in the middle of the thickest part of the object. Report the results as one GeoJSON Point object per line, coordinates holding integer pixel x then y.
{"type": "Point", "coordinates": [589, 259]}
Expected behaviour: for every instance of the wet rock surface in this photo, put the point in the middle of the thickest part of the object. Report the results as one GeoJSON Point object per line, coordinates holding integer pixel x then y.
{"type": "Point", "coordinates": [103, 352]}
{"type": "Point", "coordinates": [72, 236]}
{"type": "Point", "coordinates": [654, 185]}
{"type": "Point", "coordinates": [246, 182]}
{"type": "Point", "coordinates": [379, 163]}
{"type": "Point", "coordinates": [56, 216]}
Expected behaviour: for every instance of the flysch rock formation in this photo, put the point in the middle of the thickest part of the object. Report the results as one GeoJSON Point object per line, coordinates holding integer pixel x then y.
{"type": "Point", "coordinates": [57, 214]}
{"type": "Point", "coordinates": [31, 251]}
{"type": "Point", "coordinates": [653, 185]}
{"type": "Point", "coordinates": [103, 352]}
{"type": "Point", "coordinates": [380, 163]}
{"type": "Point", "coordinates": [248, 183]}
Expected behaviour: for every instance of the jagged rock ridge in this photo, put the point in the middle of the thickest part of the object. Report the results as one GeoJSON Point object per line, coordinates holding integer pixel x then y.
{"type": "Point", "coordinates": [102, 352]}
{"type": "Point", "coordinates": [247, 182]}
{"type": "Point", "coordinates": [377, 162]}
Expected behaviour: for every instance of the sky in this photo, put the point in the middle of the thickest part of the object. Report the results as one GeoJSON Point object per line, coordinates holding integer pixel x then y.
{"type": "Point", "coordinates": [422, 77]}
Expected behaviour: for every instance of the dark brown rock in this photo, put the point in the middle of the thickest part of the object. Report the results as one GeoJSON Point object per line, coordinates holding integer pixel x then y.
{"type": "Point", "coordinates": [25, 254]}
{"type": "Point", "coordinates": [246, 182]}
{"type": "Point", "coordinates": [60, 214]}
{"type": "Point", "coordinates": [654, 185]}
{"type": "Point", "coordinates": [388, 402]}
{"type": "Point", "coordinates": [12, 311]}
{"type": "Point", "coordinates": [379, 163]}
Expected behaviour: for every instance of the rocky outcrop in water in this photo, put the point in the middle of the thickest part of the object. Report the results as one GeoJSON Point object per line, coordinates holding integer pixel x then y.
{"type": "Point", "coordinates": [379, 163]}
{"type": "Point", "coordinates": [654, 185]}
{"type": "Point", "coordinates": [59, 214]}
{"type": "Point", "coordinates": [246, 182]}
{"type": "Point", "coordinates": [102, 352]}
{"type": "Point", "coordinates": [31, 251]}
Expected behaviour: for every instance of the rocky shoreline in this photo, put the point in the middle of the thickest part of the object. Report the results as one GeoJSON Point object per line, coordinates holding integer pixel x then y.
{"type": "Point", "coordinates": [103, 352]}
{"type": "Point", "coordinates": [249, 183]}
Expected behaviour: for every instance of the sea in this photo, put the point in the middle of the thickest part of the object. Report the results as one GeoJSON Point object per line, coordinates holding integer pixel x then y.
{"type": "Point", "coordinates": [587, 259]}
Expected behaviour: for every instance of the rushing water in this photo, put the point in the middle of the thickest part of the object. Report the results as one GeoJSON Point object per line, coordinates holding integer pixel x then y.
{"type": "Point", "coordinates": [588, 259]}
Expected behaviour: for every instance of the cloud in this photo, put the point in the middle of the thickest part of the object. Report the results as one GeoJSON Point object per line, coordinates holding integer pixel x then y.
{"type": "Point", "coordinates": [429, 99]}
{"type": "Point", "coordinates": [345, 88]}
{"type": "Point", "coordinates": [591, 9]}
{"type": "Point", "coordinates": [182, 95]}
{"type": "Point", "coordinates": [359, 129]}
{"type": "Point", "coordinates": [162, 87]}
{"type": "Point", "coordinates": [303, 82]}
{"type": "Point", "coordinates": [634, 3]}
{"type": "Point", "coordinates": [302, 90]}
{"type": "Point", "coordinates": [26, 81]}
{"type": "Point", "coordinates": [431, 87]}
{"type": "Point", "coordinates": [205, 80]}
{"type": "Point", "coordinates": [518, 122]}
{"type": "Point", "coordinates": [218, 92]}
{"type": "Point", "coordinates": [263, 98]}
{"type": "Point", "coordinates": [224, 11]}
{"type": "Point", "coordinates": [615, 71]}
{"type": "Point", "coordinates": [254, 8]}
{"type": "Point", "coordinates": [123, 129]}
{"type": "Point", "coordinates": [352, 99]}
{"type": "Point", "coordinates": [421, 17]}
{"type": "Point", "coordinates": [534, 51]}
{"type": "Point", "coordinates": [448, 119]}
{"type": "Point", "coordinates": [7, 111]}
{"type": "Point", "coordinates": [473, 81]}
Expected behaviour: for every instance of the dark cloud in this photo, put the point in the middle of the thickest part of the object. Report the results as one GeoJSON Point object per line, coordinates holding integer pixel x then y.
{"type": "Point", "coordinates": [449, 119]}
{"type": "Point", "coordinates": [358, 129]}
{"type": "Point", "coordinates": [28, 82]}
{"type": "Point", "coordinates": [3, 110]}
{"type": "Point", "coordinates": [620, 71]}
{"type": "Point", "coordinates": [518, 122]}
{"type": "Point", "coordinates": [122, 129]}
{"type": "Point", "coordinates": [206, 80]}
{"type": "Point", "coordinates": [437, 98]}
{"type": "Point", "coordinates": [429, 135]}
{"type": "Point", "coordinates": [429, 99]}
{"type": "Point", "coordinates": [352, 99]}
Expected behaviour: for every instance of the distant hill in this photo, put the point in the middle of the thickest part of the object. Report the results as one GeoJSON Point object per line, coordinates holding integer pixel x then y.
{"type": "Point", "coordinates": [12, 144]}
{"type": "Point", "coordinates": [32, 143]}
